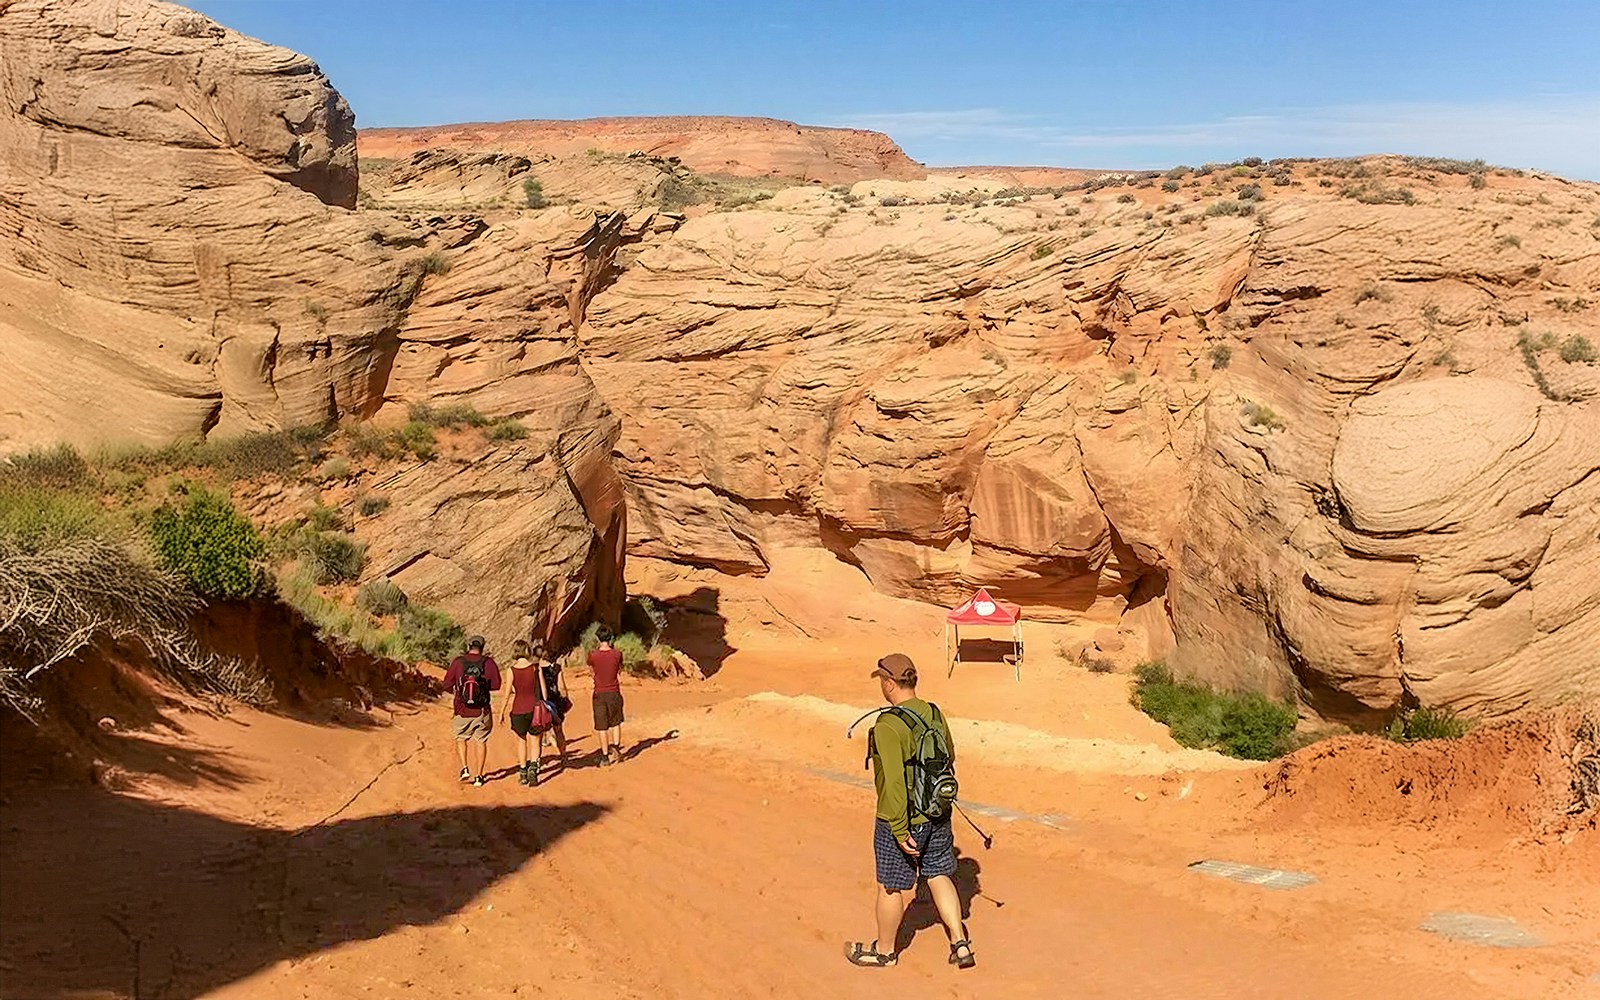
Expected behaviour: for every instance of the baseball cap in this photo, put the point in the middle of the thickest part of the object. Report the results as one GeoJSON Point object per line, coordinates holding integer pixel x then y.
{"type": "Point", "coordinates": [897, 667]}
{"type": "Point", "coordinates": [478, 641]}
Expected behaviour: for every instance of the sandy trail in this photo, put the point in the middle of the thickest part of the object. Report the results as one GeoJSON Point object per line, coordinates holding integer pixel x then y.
{"type": "Point", "coordinates": [718, 862]}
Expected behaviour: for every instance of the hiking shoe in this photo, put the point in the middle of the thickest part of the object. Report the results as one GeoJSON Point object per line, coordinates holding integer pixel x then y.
{"type": "Point", "coordinates": [466, 775]}
{"type": "Point", "coordinates": [616, 755]}
{"type": "Point", "coordinates": [533, 775]}
{"type": "Point", "coordinates": [478, 782]}
{"type": "Point", "coordinates": [522, 775]}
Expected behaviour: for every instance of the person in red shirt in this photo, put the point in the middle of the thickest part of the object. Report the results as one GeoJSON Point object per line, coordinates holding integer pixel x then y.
{"type": "Point", "coordinates": [473, 678]}
{"type": "Point", "coordinates": [605, 663]}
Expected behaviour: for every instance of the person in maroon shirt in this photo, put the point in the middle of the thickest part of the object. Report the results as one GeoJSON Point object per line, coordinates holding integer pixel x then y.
{"type": "Point", "coordinates": [605, 663]}
{"type": "Point", "coordinates": [473, 678]}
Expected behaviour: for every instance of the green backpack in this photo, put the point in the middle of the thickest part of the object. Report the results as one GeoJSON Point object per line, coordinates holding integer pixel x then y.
{"type": "Point", "coordinates": [931, 787]}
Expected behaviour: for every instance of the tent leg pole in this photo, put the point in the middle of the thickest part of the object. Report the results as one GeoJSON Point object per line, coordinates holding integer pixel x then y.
{"type": "Point", "coordinates": [949, 668]}
{"type": "Point", "coordinates": [1016, 638]}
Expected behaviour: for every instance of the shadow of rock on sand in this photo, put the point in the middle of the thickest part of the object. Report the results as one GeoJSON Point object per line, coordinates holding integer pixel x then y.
{"type": "Point", "coordinates": [696, 626]}
{"type": "Point", "coordinates": [136, 898]}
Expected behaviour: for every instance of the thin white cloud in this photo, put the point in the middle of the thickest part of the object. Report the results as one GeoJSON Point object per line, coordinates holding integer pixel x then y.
{"type": "Point", "coordinates": [1559, 133]}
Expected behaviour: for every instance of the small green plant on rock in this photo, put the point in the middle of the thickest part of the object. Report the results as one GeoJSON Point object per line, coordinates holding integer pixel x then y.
{"type": "Point", "coordinates": [1221, 355]}
{"type": "Point", "coordinates": [1249, 726]}
{"type": "Point", "coordinates": [1427, 724]}
{"type": "Point", "coordinates": [533, 191]}
{"type": "Point", "coordinates": [1261, 415]}
{"type": "Point", "coordinates": [1576, 349]}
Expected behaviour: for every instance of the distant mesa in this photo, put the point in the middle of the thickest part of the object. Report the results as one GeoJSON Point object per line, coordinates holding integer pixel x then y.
{"type": "Point", "coordinates": [744, 147]}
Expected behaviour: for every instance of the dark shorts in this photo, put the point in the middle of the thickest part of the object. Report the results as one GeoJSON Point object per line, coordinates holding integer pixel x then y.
{"type": "Point", "coordinates": [607, 709]}
{"type": "Point", "coordinates": [522, 724]}
{"type": "Point", "coordinates": [899, 871]}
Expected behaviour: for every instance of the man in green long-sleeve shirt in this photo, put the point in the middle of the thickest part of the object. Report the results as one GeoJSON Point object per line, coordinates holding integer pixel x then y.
{"type": "Point", "coordinates": [905, 843]}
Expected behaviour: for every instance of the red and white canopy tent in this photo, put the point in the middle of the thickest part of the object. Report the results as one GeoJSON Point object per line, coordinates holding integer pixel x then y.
{"type": "Point", "coordinates": [982, 609]}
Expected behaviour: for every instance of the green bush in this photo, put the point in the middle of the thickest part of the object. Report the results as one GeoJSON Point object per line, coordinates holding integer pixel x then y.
{"type": "Point", "coordinates": [1261, 415]}
{"type": "Point", "coordinates": [34, 518]}
{"type": "Point", "coordinates": [60, 467]}
{"type": "Point", "coordinates": [1170, 187]}
{"type": "Point", "coordinates": [381, 597]}
{"type": "Point", "coordinates": [1248, 726]}
{"type": "Point", "coordinates": [590, 638]}
{"type": "Point", "coordinates": [417, 438]}
{"type": "Point", "coordinates": [534, 192]}
{"type": "Point", "coordinates": [1224, 207]}
{"type": "Point", "coordinates": [1577, 348]}
{"type": "Point", "coordinates": [507, 430]}
{"type": "Point", "coordinates": [209, 545]}
{"type": "Point", "coordinates": [1427, 724]}
{"type": "Point", "coordinates": [1041, 251]}
{"type": "Point", "coordinates": [434, 264]}
{"type": "Point", "coordinates": [1221, 355]}
{"type": "Point", "coordinates": [635, 652]}
{"type": "Point", "coordinates": [372, 506]}
{"type": "Point", "coordinates": [1248, 192]}
{"type": "Point", "coordinates": [329, 558]}
{"type": "Point", "coordinates": [1126, 199]}
{"type": "Point", "coordinates": [429, 634]}
{"type": "Point", "coordinates": [452, 416]}
{"type": "Point", "coordinates": [322, 518]}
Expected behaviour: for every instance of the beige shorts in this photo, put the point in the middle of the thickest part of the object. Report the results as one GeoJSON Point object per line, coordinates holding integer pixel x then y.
{"type": "Point", "coordinates": [474, 729]}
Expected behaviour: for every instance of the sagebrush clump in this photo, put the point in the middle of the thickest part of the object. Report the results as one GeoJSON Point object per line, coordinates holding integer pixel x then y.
{"type": "Point", "coordinates": [209, 545]}
{"type": "Point", "coordinates": [1249, 726]}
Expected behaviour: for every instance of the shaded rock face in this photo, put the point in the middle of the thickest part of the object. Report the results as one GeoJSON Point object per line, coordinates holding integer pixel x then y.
{"type": "Point", "coordinates": [179, 259]}
{"type": "Point", "coordinates": [1300, 450]}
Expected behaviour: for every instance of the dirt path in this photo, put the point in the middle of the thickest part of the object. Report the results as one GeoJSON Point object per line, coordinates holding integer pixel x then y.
{"type": "Point", "coordinates": [726, 866]}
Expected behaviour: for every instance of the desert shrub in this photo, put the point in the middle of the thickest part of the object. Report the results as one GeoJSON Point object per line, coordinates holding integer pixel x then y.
{"type": "Point", "coordinates": [1170, 187]}
{"type": "Point", "coordinates": [676, 194]}
{"type": "Point", "coordinates": [1478, 181]}
{"type": "Point", "coordinates": [1249, 726]}
{"type": "Point", "coordinates": [1530, 345]}
{"type": "Point", "coordinates": [381, 597]}
{"type": "Point", "coordinates": [1508, 241]}
{"type": "Point", "coordinates": [434, 263]}
{"type": "Point", "coordinates": [327, 557]}
{"type": "Point", "coordinates": [1371, 291]}
{"type": "Point", "coordinates": [1577, 348]}
{"type": "Point", "coordinates": [1378, 194]}
{"type": "Point", "coordinates": [322, 518]}
{"type": "Point", "coordinates": [646, 617]}
{"type": "Point", "coordinates": [1427, 724]}
{"type": "Point", "coordinates": [1566, 305]}
{"type": "Point", "coordinates": [1248, 192]}
{"type": "Point", "coordinates": [1224, 207]}
{"type": "Point", "coordinates": [1221, 355]}
{"type": "Point", "coordinates": [335, 620]}
{"type": "Point", "coordinates": [33, 518]}
{"type": "Point", "coordinates": [372, 506]}
{"type": "Point", "coordinates": [452, 416]}
{"type": "Point", "coordinates": [589, 638]}
{"type": "Point", "coordinates": [1261, 415]}
{"type": "Point", "coordinates": [334, 468]}
{"type": "Point", "coordinates": [244, 457]}
{"type": "Point", "coordinates": [533, 191]}
{"type": "Point", "coordinates": [891, 201]}
{"type": "Point", "coordinates": [417, 438]}
{"type": "Point", "coordinates": [1250, 161]}
{"type": "Point", "coordinates": [213, 548]}
{"type": "Point", "coordinates": [60, 467]}
{"type": "Point", "coordinates": [1096, 664]}
{"type": "Point", "coordinates": [428, 634]}
{"type": "Point", "coordinates": [1126, 199]}
{"type": "Point", "coordinates": [1042, 251]}
{"type": "Point", "coordinates": [634, 650]}
{"type": "Point", "coordinates": [61, 599]}
{"type": "Point", "coordinates": [507, 430]}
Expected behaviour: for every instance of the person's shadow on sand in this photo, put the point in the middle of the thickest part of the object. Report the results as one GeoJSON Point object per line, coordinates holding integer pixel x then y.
{"type": "Point", "coordinates": [921, 915]}
{"type": "Point", "coordinates": [147, 899]}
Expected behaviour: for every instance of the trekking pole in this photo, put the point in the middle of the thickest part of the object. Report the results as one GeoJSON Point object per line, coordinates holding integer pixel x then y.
{"type": "Point", "coordinates": [988, 841]}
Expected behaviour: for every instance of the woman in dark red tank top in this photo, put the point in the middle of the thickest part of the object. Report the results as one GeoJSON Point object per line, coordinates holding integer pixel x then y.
{"type": "Point", "coordinates": [530, 715]}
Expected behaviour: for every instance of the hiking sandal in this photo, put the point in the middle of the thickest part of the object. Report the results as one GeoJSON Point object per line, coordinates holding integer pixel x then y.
{"type": "Point", "coordinates": [868, 956]}
{"type": "Point", "coordinates": [466, 775]}
{"type": "Point", "coordinates": [478, 782]}
{"type": "Point", "coordinates": [961, 955]}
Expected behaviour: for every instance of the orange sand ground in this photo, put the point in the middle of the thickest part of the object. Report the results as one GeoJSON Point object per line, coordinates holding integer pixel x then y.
{"type": "Point", "coordinates": [287, 858]}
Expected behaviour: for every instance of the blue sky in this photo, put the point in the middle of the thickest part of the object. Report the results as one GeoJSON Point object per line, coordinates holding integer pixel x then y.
{"type": "Point", "coordinates": [1095, 83]}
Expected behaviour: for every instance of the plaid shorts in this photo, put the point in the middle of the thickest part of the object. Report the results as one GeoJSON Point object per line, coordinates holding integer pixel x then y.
{"type": "Point", "coordinates": [899, 871]}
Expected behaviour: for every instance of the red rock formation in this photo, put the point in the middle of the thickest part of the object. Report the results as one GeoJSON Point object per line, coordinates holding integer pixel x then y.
{"type": "Point", "coordinates": [745, 147]}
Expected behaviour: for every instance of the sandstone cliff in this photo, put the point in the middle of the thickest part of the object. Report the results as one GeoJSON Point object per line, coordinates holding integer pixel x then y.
{"type": "Point", "coordinates": [745, 147]}
{"type": "Point", "coordinates": [1326, 429]}
{"type": "Point", "coordinates": [179, 259]}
